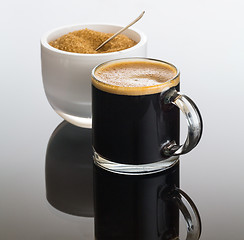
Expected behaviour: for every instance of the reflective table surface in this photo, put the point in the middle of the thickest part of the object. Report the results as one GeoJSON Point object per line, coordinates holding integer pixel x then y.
{"type": "Point", "coordinates": [47, 188]}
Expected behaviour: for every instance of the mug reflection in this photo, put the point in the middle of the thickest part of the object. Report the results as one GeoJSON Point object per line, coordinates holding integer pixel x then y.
{"type": "Point", "coordinates": [135, 207]}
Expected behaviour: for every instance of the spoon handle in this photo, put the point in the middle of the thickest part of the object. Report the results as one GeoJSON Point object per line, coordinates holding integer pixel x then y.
{"type": "Point", "coordinates": [121, 30]}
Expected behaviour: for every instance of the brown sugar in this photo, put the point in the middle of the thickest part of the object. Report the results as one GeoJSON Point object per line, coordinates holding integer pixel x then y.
{"type": "Point", "coordinates": [86, 41]}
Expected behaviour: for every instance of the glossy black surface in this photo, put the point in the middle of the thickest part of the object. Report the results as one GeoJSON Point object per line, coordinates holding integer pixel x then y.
{"type": "Point", "coordinates": [46, 180]}
{"type": "Point", "coordinates": [132, 129]}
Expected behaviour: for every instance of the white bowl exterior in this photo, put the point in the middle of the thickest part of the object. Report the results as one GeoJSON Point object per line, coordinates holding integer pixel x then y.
{"type": "Point", "coordinates": [67, 76]}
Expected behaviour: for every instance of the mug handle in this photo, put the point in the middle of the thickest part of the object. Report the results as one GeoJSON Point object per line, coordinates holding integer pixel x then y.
{"type": "Point", "coordinates": [190, 213]}
{"type": "Point", "coordinates": [194, 122]}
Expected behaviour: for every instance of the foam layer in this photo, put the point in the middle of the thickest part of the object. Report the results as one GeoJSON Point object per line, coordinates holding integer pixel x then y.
{"type": "Point", "coordinates": [135, 77]}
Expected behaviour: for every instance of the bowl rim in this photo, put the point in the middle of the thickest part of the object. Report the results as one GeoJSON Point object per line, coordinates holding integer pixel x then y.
{"type": "Point", "coordinates": [45, 44]}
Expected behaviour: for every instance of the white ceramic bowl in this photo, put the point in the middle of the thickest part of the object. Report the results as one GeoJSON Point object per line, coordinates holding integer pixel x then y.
{"type": "Point", "coordinates": [67, 76]}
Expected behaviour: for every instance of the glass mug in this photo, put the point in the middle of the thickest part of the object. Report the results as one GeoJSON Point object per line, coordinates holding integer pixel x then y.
{"type": "Point", "coordinates": [136, 128]}
{"type": "Point", "coordinates": [142, 206]}
{"type": "Point", "coordinates": [67, 75]}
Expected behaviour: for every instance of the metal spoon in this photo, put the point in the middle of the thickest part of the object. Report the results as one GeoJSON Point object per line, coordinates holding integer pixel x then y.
{"type": "Point", "coordinates": [121, 30]}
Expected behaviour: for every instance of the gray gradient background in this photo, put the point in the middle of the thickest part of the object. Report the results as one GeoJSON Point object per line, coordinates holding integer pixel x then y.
{"type": "Point", "coordinates": [203, 38]}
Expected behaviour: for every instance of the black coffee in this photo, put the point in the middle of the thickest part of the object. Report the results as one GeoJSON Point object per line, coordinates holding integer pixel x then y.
{"type": "Point", "coordinates": [130, 119]}
{"type": "Point", "coordinates": [135, 207]}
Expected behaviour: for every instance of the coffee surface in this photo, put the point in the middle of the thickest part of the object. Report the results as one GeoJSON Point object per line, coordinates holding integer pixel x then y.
{"type": "Point", "coordinates": [135, 77]}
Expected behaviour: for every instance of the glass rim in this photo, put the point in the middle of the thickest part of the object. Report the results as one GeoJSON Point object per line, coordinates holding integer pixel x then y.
{"type": "Point", "coordinates": [177, 74]}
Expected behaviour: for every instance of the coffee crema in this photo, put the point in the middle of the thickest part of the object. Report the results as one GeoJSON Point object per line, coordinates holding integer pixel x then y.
{"type": "Point", "coordinates": [135, 77]}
